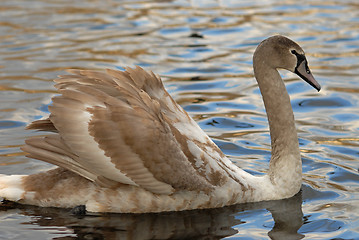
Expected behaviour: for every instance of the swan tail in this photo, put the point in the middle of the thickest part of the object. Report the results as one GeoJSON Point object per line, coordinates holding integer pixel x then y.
{"type": "Point", "coordinates": [54, 188]}
{"type": "Point", "coordinates": [11, 187]}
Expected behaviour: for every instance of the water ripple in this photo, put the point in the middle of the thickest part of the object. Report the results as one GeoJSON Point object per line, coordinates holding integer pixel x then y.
{"type": "Point", "coordinates": [203, 51]}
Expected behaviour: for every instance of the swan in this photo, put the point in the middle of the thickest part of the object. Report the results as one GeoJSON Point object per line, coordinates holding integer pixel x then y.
{"type": "Point", "coordinates": [122, 144]}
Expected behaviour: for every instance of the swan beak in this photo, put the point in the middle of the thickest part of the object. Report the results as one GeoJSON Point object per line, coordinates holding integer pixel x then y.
{"type": "Point", "coordinates": [303, 71]}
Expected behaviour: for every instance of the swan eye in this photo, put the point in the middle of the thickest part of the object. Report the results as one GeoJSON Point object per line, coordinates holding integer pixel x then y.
{"type": "Point", "coordinates": [294, 52]}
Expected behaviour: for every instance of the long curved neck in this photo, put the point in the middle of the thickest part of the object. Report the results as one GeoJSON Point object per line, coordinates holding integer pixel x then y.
{"type": "Point", "coordinates": [285, 165]}
{"type": "Point", "coordinates": [276, 100]}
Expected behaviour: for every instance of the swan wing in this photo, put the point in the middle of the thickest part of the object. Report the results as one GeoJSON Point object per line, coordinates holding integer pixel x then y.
{"type": "Point", "coordinates": [123, 127]}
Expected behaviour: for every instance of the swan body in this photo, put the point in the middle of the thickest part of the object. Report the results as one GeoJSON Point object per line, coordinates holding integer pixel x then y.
{"type": "Point", "coordinates": [122, 144]}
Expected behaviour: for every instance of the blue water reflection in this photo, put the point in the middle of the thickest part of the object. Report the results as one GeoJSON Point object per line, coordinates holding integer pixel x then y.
{"type": "Point", "coordinates": [11, 124]}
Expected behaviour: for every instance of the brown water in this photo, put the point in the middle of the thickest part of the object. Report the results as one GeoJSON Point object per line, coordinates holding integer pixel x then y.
{"type": "Point", "coordinates": [203, 51]}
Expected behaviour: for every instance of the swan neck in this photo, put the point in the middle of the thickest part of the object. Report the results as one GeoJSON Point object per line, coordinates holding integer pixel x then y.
{"type": "Point", "coordinates": [279, 112]}
{"type": "Point", "coordinates": [285, 165]}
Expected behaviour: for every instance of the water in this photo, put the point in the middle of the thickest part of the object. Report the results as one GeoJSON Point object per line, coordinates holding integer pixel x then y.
{"type": "Point", "coordinates": [203, 51]}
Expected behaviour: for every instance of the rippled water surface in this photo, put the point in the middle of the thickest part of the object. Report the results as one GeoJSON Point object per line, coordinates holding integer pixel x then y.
{"type": "Point", "coordinates": [203, 51]}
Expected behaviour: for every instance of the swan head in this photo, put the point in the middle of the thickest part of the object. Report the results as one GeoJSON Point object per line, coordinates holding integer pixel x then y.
{"type": "Point", "coordinates": [281, 52]}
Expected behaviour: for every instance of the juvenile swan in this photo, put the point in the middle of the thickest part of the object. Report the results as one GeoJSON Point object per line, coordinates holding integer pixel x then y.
{"type": "Point", "coordinates": [122, 144]}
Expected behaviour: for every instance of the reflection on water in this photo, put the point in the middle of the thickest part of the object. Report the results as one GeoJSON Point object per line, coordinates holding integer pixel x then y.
{"type": "Point", "coordinates": [203, 51]}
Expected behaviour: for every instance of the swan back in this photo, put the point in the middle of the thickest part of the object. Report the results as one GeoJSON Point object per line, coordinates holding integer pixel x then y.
{"type": "Point", "coordinates": [124, 128]}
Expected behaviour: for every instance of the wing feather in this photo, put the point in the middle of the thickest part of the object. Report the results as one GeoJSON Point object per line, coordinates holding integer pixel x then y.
{"type": "Point", "coordinates": [39, 148]}
{"type": "Point", "coordinates": [42, 125]}
{"type": "Point", "coordinates": [72, 124]}
{"type": "Point", "coordinates": [123, 127]}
